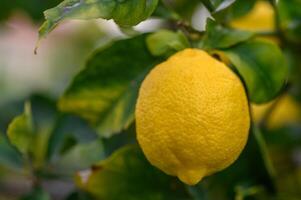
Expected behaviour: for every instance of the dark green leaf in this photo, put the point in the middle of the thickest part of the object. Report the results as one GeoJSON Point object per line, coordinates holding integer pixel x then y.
{"type": "Point", "coordinates": [20, 131]}
{"type": "Point", "coordinates": [237, 9]}
{"type": "Point", "coordinates": [124, 12]}
{"type": "Point", "coordinates": [79, 195]}
{"type": "Point", "coordinates": [217, 5]}
{"type": "Point", "coordinates": [105, 91]}
{"type": "Point", "coordinates": [290, 18]}
{"type": "Point", "coordinates": [44, 115]}
{"type": "Point", "coordinates": [165, 42]}
{"type": "Point", "coordinates": [37, 194]}
{"type": "Point", "coordinates": [219, 37]}
{"type": "Point", "coordinates": [162, 11]}
{"type": "Point", "coordinates": [117, 141]}
{"type": "Point", "coordinates": [68, 143]}
{"type": "Point", "coordinates": [128, 175]}
{"type": "Point", "coordinates": [68, 131]}
{"type": "Point", "coordinates": [262, 66]}
{"type": "Point", "coordinates": [9, 156]}
{"type": "Point", "coordinates": [181, 8]}
{"type": "Point", "coordinates": [34, 8]}
{"type": "Point", "coordinates": [81, 156]}
{"type": "Point", "coordinates": [262, 147]}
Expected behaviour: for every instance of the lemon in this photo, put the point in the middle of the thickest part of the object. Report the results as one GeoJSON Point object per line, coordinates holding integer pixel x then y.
{"type": "Point", "coordinates": [260, 18]}
{"type": "Point", "coordinates": [192, 116]}
{"type": "Point", "coordinates": [286, 111]}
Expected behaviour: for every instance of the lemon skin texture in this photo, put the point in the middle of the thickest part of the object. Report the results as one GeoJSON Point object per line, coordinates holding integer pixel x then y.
{"type": "Point", "coordinates": [192, 116]}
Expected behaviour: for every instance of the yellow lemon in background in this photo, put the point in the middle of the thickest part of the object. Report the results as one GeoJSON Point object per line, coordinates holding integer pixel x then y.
{"type": "Point", "coordinates": [192, 116]}
{"type": "Point", "coordinates": [286, 111]}
{"type": "Point", "coordinates": [260, 18]}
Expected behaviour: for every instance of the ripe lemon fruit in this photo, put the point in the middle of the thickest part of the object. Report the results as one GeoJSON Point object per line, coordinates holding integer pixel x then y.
{"type": "Point", "coordinates": [286, 111]}
{"type": "Point", "coordinates": [192, 116]}
{"type": "Point", "coordinates": [260, 18]}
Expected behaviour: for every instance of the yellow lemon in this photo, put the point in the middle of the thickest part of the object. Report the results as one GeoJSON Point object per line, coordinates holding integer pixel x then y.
{"type": "Point", "coordinates": [286, 111]}
{"type": "Point", "coordinates": [260, 18]}
{"type": "Point", "coordinates": [192, 116]}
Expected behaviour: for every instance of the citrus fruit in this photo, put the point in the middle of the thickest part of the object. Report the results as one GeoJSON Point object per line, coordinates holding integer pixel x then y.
{"type": "Point", "coordinates": [192, 116]}
{"type": "Point", "coordinates": [285, 111]}
{"type": "Point", "coordinates": [260, 18]}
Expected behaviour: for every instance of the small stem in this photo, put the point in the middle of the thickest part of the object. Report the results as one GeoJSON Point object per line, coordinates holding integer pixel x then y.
{"type": "Point", "coordinates": [267, 33]}
{"type": "Point", "coordinates": [31, 172]}
{"type": "Point", "coordinates": [191, 33]}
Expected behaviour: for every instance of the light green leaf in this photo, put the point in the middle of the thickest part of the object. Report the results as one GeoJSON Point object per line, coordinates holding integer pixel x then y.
{"type": "Point", "coordinates": [105, 91]}
{"type": "Point", "coordinates": [123, 12]}
{"type": "Point", "coordinates": [165, 42]}
{"type": "Point", "coordinates": [243, 192]}
{"type": "Point", "coordinates": [219, 37]}
{"type": "Point", "coordinates": [128, 175]}
{"type": "Point", "coordinates": [262, 66]}
{"type": "Point", "coordinates": [20, 131]}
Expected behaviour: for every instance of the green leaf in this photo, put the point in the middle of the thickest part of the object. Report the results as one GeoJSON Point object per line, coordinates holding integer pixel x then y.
{"type": "Point", "coordinates": [105, 92]}
{"type": "Point", "coordinates": [290, 19]}
{"type": "Point", "coordinates": [115, 142]}
{"type": "Point", "coordinates": [165, 42]}
{"type": "Point", "coordinates": [262, 66]}
{"type": "Point", "coordinates": [9, 156]}
{"type": "Point", "coordinates": [37, 194]}
{"type": "Point", "coordinates": [123, 12]}
{"type": "Point", "coordinates": [30, 7]}
{"type": "Point", "coordinates": [181, 9]}
{"type": "Point", "coordinates": [262, 147]}
{"type": "Point", "coordinates": [67, 132]}
{"type": "Point", "coordinates": [79, 195]}
{"type": "Point", "coordinates": [44, 115]}
{"type": "Point", "coordinates": [219, 37]}
{"type": "Point", "coordinates": [237, 9]}
{"type": "Point", "coordinates": [20, 131]}
{"type": "Point", "coordinates": [217, 5]}
{"type": "Point", "coordinates": [244, 192]}
{"type": "Point", "coordinates": [128, 175]}
{"type": "Point", "coordinates": [81, 156]}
